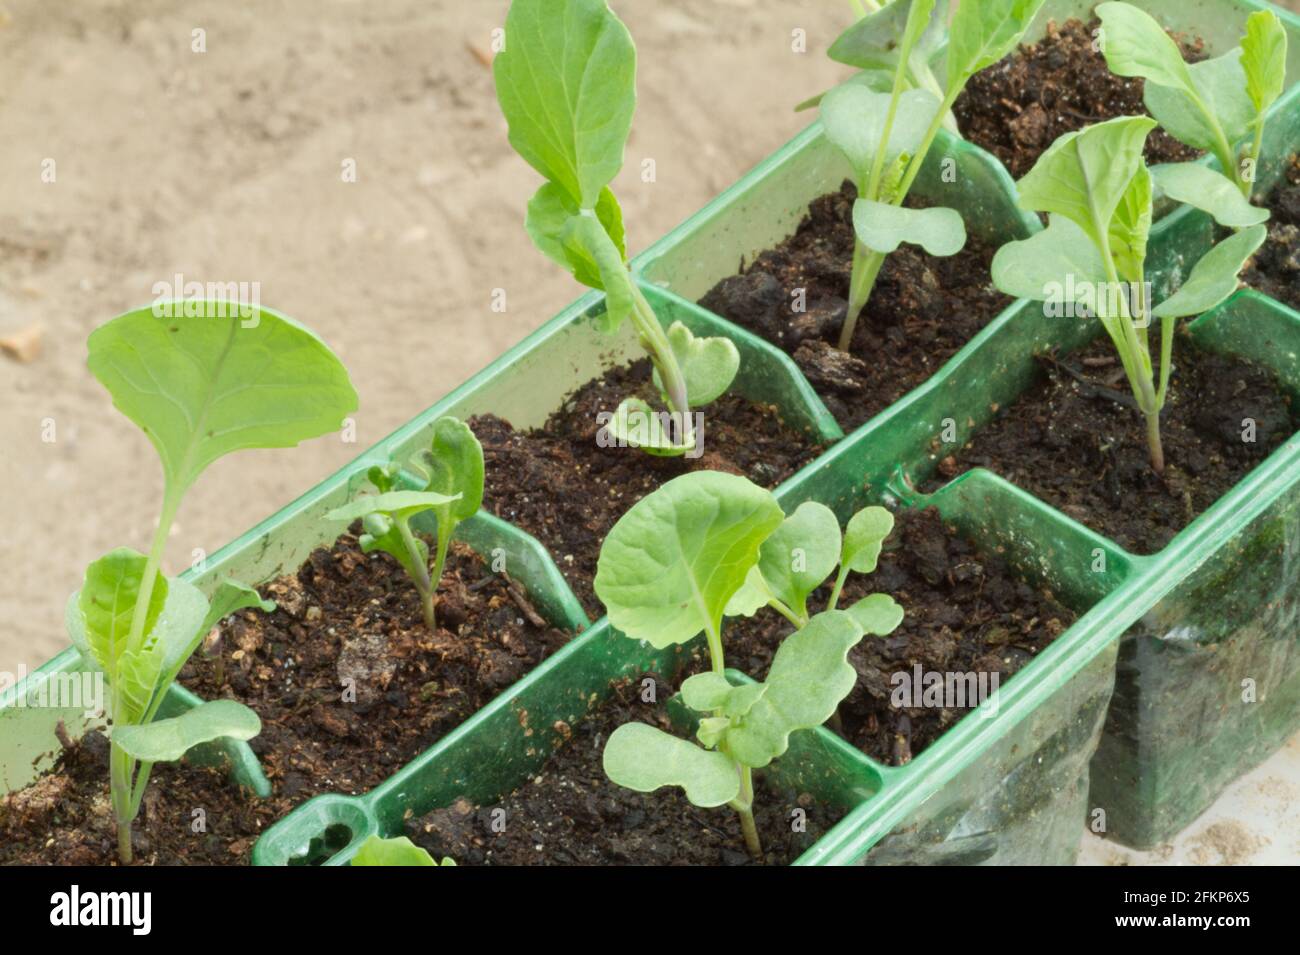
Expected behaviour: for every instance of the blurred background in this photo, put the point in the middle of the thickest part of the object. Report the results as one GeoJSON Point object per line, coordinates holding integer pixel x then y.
{"type": "Point", "coordinates": [126, 157]}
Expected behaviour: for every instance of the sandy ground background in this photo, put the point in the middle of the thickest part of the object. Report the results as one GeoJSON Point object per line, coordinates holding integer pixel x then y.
{"type": "Point", "coordinates": [226, 166]}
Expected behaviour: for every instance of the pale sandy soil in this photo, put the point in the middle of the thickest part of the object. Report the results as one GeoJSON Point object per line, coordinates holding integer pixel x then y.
{"type": "Point", "coordinates": [226, 166]}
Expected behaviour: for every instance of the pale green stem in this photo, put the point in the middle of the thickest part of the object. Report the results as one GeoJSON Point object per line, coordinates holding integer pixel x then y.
{"type": "Point", "coordinates": [1166, 358]}
{"type": "Point", "coordinates": [121, 765]}
{"type": "Point", "coordinates": [918, 160]}
{"type": "Point", "coordinates": [834, 602]}
{"type": "Point", "coordinates": [119, 774]}
{"type": "Point", "coordinates": [896, 91]}
{"type": "Point", "coordinates": [867, 263]}
{"type": "Point", "coordinates": [866, 267]}
{"type": "Point", "coordinates": [925, 79]}
{"type": "Point", "coordinates": [1143, 387]}
{"type": "Point", "coordinates": [655, 340]}
{"type": "Point", "coordinates": [422, 583]}
{"type": "Point", "coordinates": [1222, 148]}
{"type": "Point", "coordinates": [440, 553]}
{"type": "Point", "coordinates": [714, 636]}
{"type": "Point", "coordinates": [1256, 147]}
{"type": "Point", "coordinates": [744, 806]}
{"type": "Point", "coordinates": [799, 621]}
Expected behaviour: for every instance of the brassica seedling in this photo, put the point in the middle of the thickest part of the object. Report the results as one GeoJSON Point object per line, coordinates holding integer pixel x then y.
{"type": "Point", "coordinates": [200, 388]}
{"type": "Point", "coordinates": [1097, 189]}
{"type": "Point", "coordinates": [1217, 105]}
{"type": "Point", "coordinates": [566, 82]}
{"type": "Point", "coordinates": [451, 473]}
{"type": "Point", "coordinates": [397, 851]}
{"type": "Point", "coordinates": [872, 45]}
{"type": "Point", "coordinates": [707, 545]}
{"type": "Point", "coordinates": [886, 136]}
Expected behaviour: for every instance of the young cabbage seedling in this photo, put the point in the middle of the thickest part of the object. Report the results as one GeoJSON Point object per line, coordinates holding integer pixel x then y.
{"type": "Point", "coordinates": [451, 475]}
{"type": "Point", "coordinates": [566, 82]}
{"type": "Point", "coordinates": [199, 388]}
{"type": "Point", "coordinates": [1097, 188]}
{"type": "Point", "coordinates": [872, 44]}
{"type": "Point", "coordinates": [397, 851]}
{"type": "Point", "coordinates": [706, 545]}
{"type": "Point", "coordinates": [1217, 105]}
{"type": "Point", "coordinates": [886, 136]}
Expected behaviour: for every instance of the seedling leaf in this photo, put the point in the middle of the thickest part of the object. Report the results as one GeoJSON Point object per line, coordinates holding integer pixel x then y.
{"type": "Point", "coordinates": [231, 595]}
{"type": "Point", "coordinates": [399, 851]}
{"type": "Point", "coordinates": [670, 565]}
{"type": "Point", "coordinates": [854, 118]}
{"type": "Point", "coordinates": [455, 471]}
{"type": "Point", "coordinates": [170, 739]}
{"type": "Point", "coordinates": [99, 614]}
{"type": "Point", "coordinates": [1136, 45]}
{"type": "Point", "coordinates": [1084, 175]}
{"type": "Point", "coordinates": [1263, 59]}
{"type": "Point", "coordinates": [566, 82]}
{"type": "Point", "coordinates": [549, 213]}
{"type": "Point", "coordinates": [863, 537]}
{"type": "Point", "coordinates": [201, 388]}
{"type": "Point", "coordinates": [800, 554]}
{"type": "Point", "coordinates": [810, 675]}
{"type": "Point", "coordinates": [709, 364]}
{"type": "Point", "coordinates": [1208, 191]}
{"type": "Point", "coordinates": [643, 758]}
{"type": "Point", "coordinates": [636, 425]}
{"type": "Point", "coordinates": [1037, 268]}
{"type": "Point", "coordinates": [877, 614]}
{"type": "Point", "coordinates": [751, 597]}
{"type": "Point", "coordinates": [882, 227]}
{"type": "Point", "coordinates": [585, 236]}
{"type": "Point", "coordinates": [873, 42]}
{"type": "Point", "coordinates": [1214, 277]}
{"type": "Point", "coordinates": [983, 33]}
{"type": "Point", "coordinates": [713, 691]}
{"type": "Point", "coordinates": [1220, 84]}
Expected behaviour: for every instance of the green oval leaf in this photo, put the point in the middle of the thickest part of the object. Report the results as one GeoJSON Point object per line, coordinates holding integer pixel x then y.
{"type": "Point", "coordinates": [99, 614]}
{"type": "Point", "coordinates": [1220, 84]}
{"type": "Point", "coordinates": [201, 388]}
{"type": "Point", "coordinates": [708, 364]}
{"type": "Point", "coordinates": [1208, 190]}
{"type": "Point", "coordinates": [877, 614]}
{"type": "Point", "coordinates": [669, 566]}
{"type": "Point", "coordinates": [1135, 44]}
{"type": "Point", "coordinates": [983, 33]}
{"type": "Point", "coordinates": [643, 758]}
{"type": "Point", "coordinates": [397, 851]}
{"type": "Point", "coordinates": [455, 470]}
{"type": "Point", "coordinates": [864, 537]}
{"type": "Point", "coordinates": [636, 425]}
{"type": "Point", "coordinates": [810, 675]}
{"type": "Point", "coordinates": [164, 741]}
{"type": "Point", "coordinates": [882, 227]}
{"type": "Point", "coordinates": [800, 554]}
{"type": "Point", "coordinates": [566, 82]}
{"type": "Point", "coordinates": [1263, 59]}
{"type": "Point", "coordinates": [1056, 265]}
{"type": "Point", "coordinates": [1084, 175]}
{"type": "Point", "coordinates": [549, 214]}
{"type": "Point", "coordinates": [1214, 277]}
{"type": "Point", "coordinates": [873, 42]}
{"type": "Point", "coordinates": [854, 119]}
